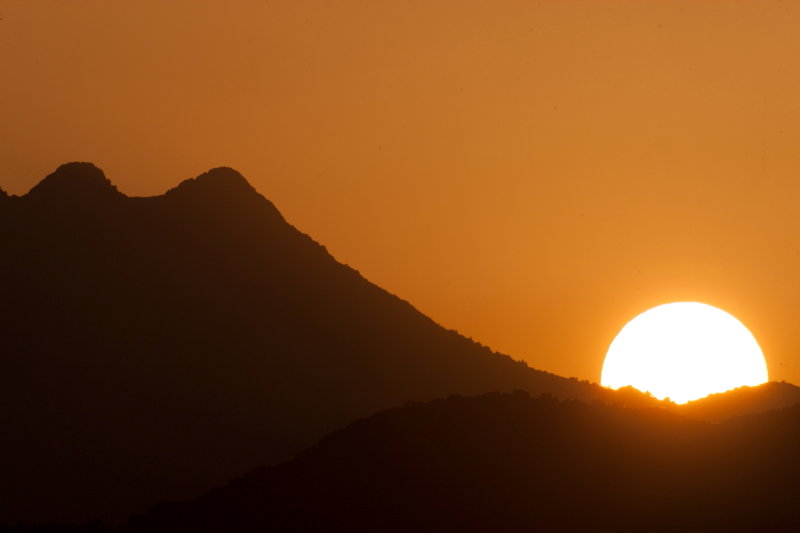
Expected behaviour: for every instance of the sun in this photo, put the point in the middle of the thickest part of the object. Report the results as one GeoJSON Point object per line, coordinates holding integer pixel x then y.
{"type": "Point", "coordinates": [684, 351]}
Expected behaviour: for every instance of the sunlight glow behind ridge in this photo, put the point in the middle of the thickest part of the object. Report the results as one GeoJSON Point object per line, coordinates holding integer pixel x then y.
{"type": "Point", "coordinates": [684, 351]}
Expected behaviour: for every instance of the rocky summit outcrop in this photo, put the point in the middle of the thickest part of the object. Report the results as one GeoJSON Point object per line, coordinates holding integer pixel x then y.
{"type": "Point", "coordinates": [74, 182]}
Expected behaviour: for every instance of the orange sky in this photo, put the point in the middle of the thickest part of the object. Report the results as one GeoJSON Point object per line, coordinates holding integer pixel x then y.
{"type": "Point", "coordinates": [532, 174]}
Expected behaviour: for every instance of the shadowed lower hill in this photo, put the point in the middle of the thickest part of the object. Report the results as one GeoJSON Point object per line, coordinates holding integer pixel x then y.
{"type": "Point", "coordinates": [156, 347]}
{"type": "Point", "coordinates": [742, 401]}
{"type": "Point", "coordinates": [506, 462]}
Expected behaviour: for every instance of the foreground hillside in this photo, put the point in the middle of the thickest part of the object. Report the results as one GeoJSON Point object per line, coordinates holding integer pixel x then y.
{"type": "Point", "coordinates": [741, 401]}
{"type": "Point", "coordinates": [506, 462]}
{"type": "Point", "coordinates": [156, 347]}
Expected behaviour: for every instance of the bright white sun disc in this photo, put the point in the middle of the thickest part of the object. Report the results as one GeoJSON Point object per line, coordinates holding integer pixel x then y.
{"type": "Point", "coordinates": [684, 351]}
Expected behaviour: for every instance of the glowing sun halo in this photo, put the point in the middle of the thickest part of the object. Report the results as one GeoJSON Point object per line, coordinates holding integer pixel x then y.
{"type": "Point", "coordinates": [684, 351]}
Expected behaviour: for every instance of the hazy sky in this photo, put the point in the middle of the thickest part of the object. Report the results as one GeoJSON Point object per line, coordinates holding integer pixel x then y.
{"type": "Point", "coordinates": [532, 174]}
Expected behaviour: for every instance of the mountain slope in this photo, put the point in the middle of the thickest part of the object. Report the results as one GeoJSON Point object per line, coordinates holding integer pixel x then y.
{"type": "Point", "coordinates": [156, 347]}
{"type": "Point", "coordinates": [742, 401]}
{"type": "Point", "coordinates": [506, 462]}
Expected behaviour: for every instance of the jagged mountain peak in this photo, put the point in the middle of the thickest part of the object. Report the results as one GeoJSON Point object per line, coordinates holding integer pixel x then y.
{"type": "Point", "coordinates": [217, 181]}
{"type": "Point", "coordinates": [76, 180]}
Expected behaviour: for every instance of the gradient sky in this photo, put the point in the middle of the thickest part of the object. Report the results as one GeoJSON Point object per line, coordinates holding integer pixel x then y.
{"type": "Point", "coordinates": [530, 173]}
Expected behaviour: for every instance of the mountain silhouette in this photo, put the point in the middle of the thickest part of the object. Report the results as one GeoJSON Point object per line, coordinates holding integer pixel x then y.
{"type": "Point", "coordinates": [506, 462]}
{"type": "Point", "coordinates": [156, 347]}
{"type": "Point", "coordinates": [742, 401]}
{"type": "Point", "coordinates": [74, 183]}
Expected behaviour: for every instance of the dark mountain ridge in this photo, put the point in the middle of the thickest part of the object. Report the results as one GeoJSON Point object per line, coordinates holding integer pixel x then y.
{"type": "Point", "coordinates": [156, 347]}
{"type": "Point", "coordinates": [506, 462]}
{"type": "Point", "coordinates": [742, 401]}
{"type": "Point", "coordinates": [74, 182]}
